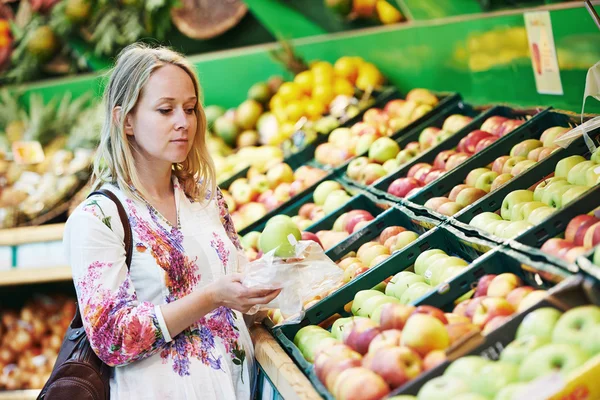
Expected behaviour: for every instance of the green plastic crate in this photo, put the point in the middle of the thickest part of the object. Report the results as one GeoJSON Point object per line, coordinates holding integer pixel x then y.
{"type": "Point", "coordinates": [532, 129]}
{"type": "Point", "coordinates": [494, 262]}
{"type": "Point", "coordinates": [493, 201]}
{"type": "Point", "coordinates": [490, 346]}
{"type": "Point", "coordinates": [428, 156]}
{"type": "Point", "coordinates": [587, 266]}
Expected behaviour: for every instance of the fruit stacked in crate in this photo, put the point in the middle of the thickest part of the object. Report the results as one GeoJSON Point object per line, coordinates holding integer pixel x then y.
{"type": "Point", "coordinates": [548, 342]}
{"type": "Point", "coordinates": [523, 209]}
{"type": "Point", "coordinates": [30, 339]}
{"type": "Point", "coordinates": [251, 198]}
{"type": "Point", "coordinates": [388, 342]}
{"type": "Point", "coordinates": [484, 180]}
{"type": "Point", "coordinates": [373, 133]}
{"type": "Point", "coordinates": [422, 174]}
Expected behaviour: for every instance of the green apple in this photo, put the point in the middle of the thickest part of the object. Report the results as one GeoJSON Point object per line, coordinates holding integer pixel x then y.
{"type": "Point", "coordinates": [484, 182]}
{"type": "Point", "coordinates": [423, 259]}
{"type": "Point", "coordinates": [494, 376]}
{"type": "Point", "coordinates": [364, 143]}
{"type": "Point", "coordinates": [550, 134]}
{"type": "Point", "coordinates": [510, 163]}
{"type": "Point", "coordinates": [466, 367]}
{"type": "Point", "coordinates": [371, 304]}
{"type": "Point", "coordinates": [528, 208]}
{"type": "Point", "coordinates": [553, 194]}
{"type": "Point", "coordinates": [435, 270]}
{"type": "Point", "coordinates": [572, 325]}
{"type": "Point", "coordinates": [250, 240]}
{"type": "Point", "coordinates": [551, 358]}
{"type": "Point", "coordinates": [338, 326]}
{"type": "Point", "coordinates": [566, 164]}
{"type": "Point", "coordinates": [577, 174]}
{"type": "Point", "coordinates": [414, 292]}
{"type": "Point", "coordinates": [540, 214]}
{"type": "Point", "coordinates": [517, 196]}
{"type": "Point", "coordinates": [521, 167]}
{"type": "Point", "coordinates": [470, 396]}
{"type": "Point", "coordinates": [515, 213]}
{"type": "Point", "coordinates": [383, 149]}
{"type": "Point", "coordinates": [403, 239]}
{"type": "Point", "coordinates": [335, 200]}
{"type": "Point", "coordinates": [592, 175]}
{"type": "Point", "coordinates": [499, 228]}
{"type": "Point", "coordinates": [573, 194]}
{"type": "Point", "coordinates": [401, 282]}
{"type": "Point", "coordinates": [596, 259]}
{"type": "Point", "coordinates": [443, 387]}
{"type": "Point", "coordinates": [361, 297]}
{"type": "Point", "coordinates": [512, 391]}
{"type": "Point", "coordinates": [518, 349]}
{"type": "Point", "coordinates": [474, 175]}
{"type": "Point", "coordinates": [323, 190]}
{"type": "Point", "coordinates": [448, 274]}
{"type": "Point", "coordinates": [492, 226]}
{"type": "Point", "coordinates": [522, 149]}
{"type": "Point", "coordinates": [596, 156]}
{"type": "Point", "coordinates": [275, 237]}
{"type": "Point", "coordinates": [480, 221]}
{"type": "Point", "coordinates": [338, 225]}
{"type": "Point", "coordinates": [391, 165]}
{"type": "Point", "coordinates": [541, 188]}
{"type": "Point", "coordinates": [590, 342]}
{"type": "Point", "coordinates": [540, 323]}
{"type": "Point", "coordinates": [515, 228]}
{"type": "Point", "coordinates": [405, 156]}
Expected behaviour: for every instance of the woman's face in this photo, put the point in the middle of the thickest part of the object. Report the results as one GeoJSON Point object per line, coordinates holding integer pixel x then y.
{"type": "Point", "coordinates": [163, 122]}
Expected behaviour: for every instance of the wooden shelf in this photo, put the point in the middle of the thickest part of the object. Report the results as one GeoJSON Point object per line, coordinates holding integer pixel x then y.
{"type": "Point", "coordinates": [289, 381]}
{"type": "Point", "coordinates": [21, 276]}
{"type": "Point", "coordinates": [19, 394]}
{"type": "Point", "coordinates": [31, 234]}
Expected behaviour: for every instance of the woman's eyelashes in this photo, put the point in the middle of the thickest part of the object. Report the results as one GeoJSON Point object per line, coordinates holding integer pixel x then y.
{"type": "Point", "coordinates": [167, 111]}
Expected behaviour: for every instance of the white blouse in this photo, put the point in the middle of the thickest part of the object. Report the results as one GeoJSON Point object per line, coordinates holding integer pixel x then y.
{"type": "Point", "coordinates": [214, 358]}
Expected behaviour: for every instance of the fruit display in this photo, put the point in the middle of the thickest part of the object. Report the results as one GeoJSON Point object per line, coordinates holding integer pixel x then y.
{"type": "Point", "coordinates": [45, 154]}
{"type": "Point", "coordinates": [483, 180]}
{"type": "Point", "coordinates": [381, 11]}
{"type": "Point", "coordinates": [421, 174]}
{"type": "Point", "coordinates": [376, 127]}
{"type": "Point", "coordinates": [30, 339]}
{"type": "Point", "coordinates": [251, 198]}
{"type": "Point", "coordinates": [547, 342]}
{"type": "Point", "coordinates": [328, 196]}
{"type": "Point", "coordinates": [522, 209]}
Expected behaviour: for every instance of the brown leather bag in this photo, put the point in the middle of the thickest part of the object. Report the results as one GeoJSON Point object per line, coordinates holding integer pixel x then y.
{"type": "Point", "coordinates": [78, 372]}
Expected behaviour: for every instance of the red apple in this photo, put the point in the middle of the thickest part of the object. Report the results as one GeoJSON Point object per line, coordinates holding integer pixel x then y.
{"type": "Point", "coordinates": [472, 306]}
{"type": "Point", "coordinates": [389, 232]}
{"type": "Point", "coordinates": [575, 252]}
{"type": "Point", "coordinates": [456, 190]}
{"type": "Point", "coordinates": [332, 360]}
{"type": "Point", "coordinates": [422, 172]}
{"type": "Point", "coordinates": [489, 308]}
{"type": "Point", "coordinates": [495, 323]}
{"type": "Point", "coordinates": [485, 143]}
{"type": "Point", "coordinates": [473, 138]}
{"type": "Point", "coordinates": [518, 294]}
{"type": "Point", "coordinates": [461, 308]}
{"type": "Point", "coordinates": [582, 230]}
{"type": "Point", "coordinates": [493, 124]}
{"type": "Point", "coordinates": [592, 236]}
{"type": "Point", "coordinates": [433, 175]}
{"type": "Point", "coordinates": [459, 331]}
{"type": "Point", "coordinates": [455, 160]}
{"type": "Point", "coordinates": [401, 186]}
{"type": "Point", "coordinates": [311, 236]}
{"type": "Point", "coordinates": [455, 318]}
{"type": "Point", "coordinates": [554, 246]}
{"type": "Point", "coordinates": [433, 311]}
{"type": "Point", "coordinates": [483, 284]}
{"type": "Point", "coordinates": [434, 359]}
{"type": "Point", "coordinates": [387, 338]}
{"type": "Point", "coordinates": [362, 128]}
{"type": "Point", "coordinates": [575, 223]}
{"type": "Point", "coordinates": [359, 383]}
{"type": "Point", "coordinates": [414, 146]}
{"type": "Point", "coordinates": [509, 126]}
{"type": "Point", "coordinates": [440, 160]}
{"type": "Point", "coordinates": [394, 316]}
{"type": "Point", "coordinates": [356, 216]}
{"type": "Point", "coordinates": [424, 333]}
{"type": "Point", "coordinates": [359, 334]}
{"type": "Point", "coordinates": [498, 165]}
{"type": "Point", "coordinates": [503, 284]}
{"type": "Point", "coordinates": [546, 152]}
{"type": "Point", "coordinates": [396, 365]}
{"type": "Point", "coordinates": [306, 210]}
{"type": "Point", "coordinates": [413, 191]}
{"type": "Point", "coordinates": [393, 108]}
{"type": "Point", "coordinates": [449, 209]}
{"type": "Point", "coordinates": [413, 170]}
{"type": "Point", "coordinates": [435, 202]}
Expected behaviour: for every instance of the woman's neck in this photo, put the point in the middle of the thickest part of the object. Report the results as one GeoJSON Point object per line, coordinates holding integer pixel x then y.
{"type": "Point", "coordinates": [155, 177]}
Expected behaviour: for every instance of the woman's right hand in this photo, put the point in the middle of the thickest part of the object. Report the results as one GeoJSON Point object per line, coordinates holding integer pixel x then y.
{"type": "Point", "coordinates": [228, 291]}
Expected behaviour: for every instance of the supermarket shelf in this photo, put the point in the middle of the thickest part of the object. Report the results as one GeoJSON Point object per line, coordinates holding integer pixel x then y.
{"type": "Point", "coordinates": [21, 276]}
{"type": "Point", "coordinates": [19, 394]}
{"type": "Point", "coordinates": [31, 234]}
{"type": "Point", "coordinates": [283, 373]}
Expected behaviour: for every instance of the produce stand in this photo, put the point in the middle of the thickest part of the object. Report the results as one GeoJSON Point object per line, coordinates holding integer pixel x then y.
{"type": "Point", "coordinates": [474, 58]}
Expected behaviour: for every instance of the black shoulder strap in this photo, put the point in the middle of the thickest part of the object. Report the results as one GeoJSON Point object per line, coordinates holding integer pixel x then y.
{"type": "Point", "coordinates": [124, 221]}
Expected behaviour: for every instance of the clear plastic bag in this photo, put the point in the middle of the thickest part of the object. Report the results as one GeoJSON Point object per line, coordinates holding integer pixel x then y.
{"type": "Point", "coordinates": [310, 273]}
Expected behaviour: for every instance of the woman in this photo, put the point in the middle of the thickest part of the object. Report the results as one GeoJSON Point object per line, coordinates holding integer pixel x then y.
{"type": "Point", "coordinates": [171, 326]}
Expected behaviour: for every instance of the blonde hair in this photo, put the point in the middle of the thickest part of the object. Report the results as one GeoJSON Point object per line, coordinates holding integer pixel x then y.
{"type": "Point", "coordinates": [114, 162]}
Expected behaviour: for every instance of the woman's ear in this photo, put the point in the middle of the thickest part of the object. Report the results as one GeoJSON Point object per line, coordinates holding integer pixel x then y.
{"type": "Point", "coordinates": [118, 117]}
